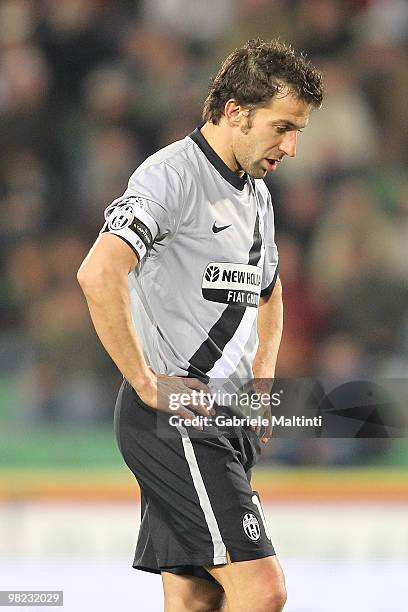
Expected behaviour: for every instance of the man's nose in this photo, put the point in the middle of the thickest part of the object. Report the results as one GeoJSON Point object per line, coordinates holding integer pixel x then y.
{"type": "Point", "coordinates": [288, 144]}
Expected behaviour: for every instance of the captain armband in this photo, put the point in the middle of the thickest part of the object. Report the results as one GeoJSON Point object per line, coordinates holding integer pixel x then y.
{"type": "Point", "coordinates": [127, 218]}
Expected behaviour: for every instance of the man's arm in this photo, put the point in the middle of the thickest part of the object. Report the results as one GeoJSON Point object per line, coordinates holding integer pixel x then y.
{"type": "Point", "coordinates": [103, 277]}
{"type": "Point", "coordinates": [270, 326]}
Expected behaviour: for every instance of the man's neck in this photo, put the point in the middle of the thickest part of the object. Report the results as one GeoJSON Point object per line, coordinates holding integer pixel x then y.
{"type": "Point", "coordinates": [219, 139]}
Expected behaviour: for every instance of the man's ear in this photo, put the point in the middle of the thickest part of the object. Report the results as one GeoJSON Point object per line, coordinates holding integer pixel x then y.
{"type": "Point", "coordinates": [234, 112]}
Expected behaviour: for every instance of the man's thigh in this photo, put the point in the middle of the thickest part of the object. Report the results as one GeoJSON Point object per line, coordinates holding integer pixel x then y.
{"type": "Point", "coordinates": [246, 583]}
{"type": "Point", "coordinates": [191, 594]}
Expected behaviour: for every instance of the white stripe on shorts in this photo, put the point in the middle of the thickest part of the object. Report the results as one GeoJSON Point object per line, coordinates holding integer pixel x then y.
{"type": "Point", "coordinates": [220, 551]}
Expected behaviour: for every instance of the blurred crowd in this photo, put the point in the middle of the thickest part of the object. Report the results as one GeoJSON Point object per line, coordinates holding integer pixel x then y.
{"type": "Point", "coordinates": [89, 89]}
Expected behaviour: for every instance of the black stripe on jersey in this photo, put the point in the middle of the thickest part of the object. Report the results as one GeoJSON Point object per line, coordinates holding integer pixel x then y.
{"type": "Point", "coordinates": [255, 251]}
{"type": "Point", "coordinates": [223, 330]}
{"type": "Point", "coordinates": [268, 290]}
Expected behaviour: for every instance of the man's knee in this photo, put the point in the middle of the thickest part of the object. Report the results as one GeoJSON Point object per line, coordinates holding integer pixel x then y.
{"type": "Point", "coordinates": [274, 599]}
{"type": "Point", "coordinates": [265, 596]}
{"type": "Point", "coordinates": [266, 600]}
{"type": "Point", "coordinates": [257, 585]}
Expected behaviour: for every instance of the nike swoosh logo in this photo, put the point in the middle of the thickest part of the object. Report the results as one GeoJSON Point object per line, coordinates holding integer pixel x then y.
{"type": "Point", "coordinates": [216, 229]}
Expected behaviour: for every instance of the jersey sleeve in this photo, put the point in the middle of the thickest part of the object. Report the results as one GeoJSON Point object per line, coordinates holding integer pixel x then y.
{"type": "Point", "coordinates": [271, 259]}
{"type": "Point", "coordinates": [148, 211]}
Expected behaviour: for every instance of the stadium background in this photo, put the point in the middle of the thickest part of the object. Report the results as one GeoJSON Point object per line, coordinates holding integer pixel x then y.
{"type": "Point", "coordinates": [87, 90]}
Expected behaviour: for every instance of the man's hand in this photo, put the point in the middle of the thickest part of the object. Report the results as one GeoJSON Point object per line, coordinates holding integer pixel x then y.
{"type": "Point", "coordinates": [191, 392]}
{"type": "Point", "coordinates": [262, 387]}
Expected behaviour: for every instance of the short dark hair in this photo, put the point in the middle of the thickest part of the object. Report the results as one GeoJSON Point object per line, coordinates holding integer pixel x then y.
{"type": "Point", "coordinates": [254, 73]}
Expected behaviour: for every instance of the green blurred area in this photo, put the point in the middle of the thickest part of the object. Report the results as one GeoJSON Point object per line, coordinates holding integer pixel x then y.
{"type": "Point", "coordinates": [50, 446]}
{"type": "Point", "coordinates": [45, 446]}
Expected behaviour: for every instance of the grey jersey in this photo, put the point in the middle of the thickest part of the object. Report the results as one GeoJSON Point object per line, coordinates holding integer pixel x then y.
{"type": "Point", "coordinates": [205, 242]}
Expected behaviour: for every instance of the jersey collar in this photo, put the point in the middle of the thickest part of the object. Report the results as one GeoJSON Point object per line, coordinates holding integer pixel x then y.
{"type": "Point", "coordinates": [236, 181]}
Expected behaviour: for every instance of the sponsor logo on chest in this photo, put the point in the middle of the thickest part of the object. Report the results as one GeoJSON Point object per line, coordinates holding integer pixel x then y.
{"type": "Point", "coordinates": [232, 283]}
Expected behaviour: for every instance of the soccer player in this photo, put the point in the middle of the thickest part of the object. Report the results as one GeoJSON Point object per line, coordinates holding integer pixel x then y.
{"type": "Point", "coordinates": [182, 286]}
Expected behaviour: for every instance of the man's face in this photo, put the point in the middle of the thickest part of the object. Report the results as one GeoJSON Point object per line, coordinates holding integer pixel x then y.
{"type": "Point", "coordinates": [271, 133]}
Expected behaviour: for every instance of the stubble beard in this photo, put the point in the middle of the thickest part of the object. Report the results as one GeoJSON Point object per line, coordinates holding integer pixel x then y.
{"type": "Point", "coordinates": [252, 168]}
{"type": "Point", "coordinates": [257, 171]}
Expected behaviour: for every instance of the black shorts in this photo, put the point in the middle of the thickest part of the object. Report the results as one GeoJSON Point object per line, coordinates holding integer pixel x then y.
{"type": "Point", "coordinates": [197, 502]}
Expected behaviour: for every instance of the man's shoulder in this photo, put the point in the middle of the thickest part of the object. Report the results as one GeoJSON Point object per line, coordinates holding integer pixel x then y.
{"type": "Point", "coordinates": [164, 177]}
{"type": "Point", "coordinates": [175, 155]}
